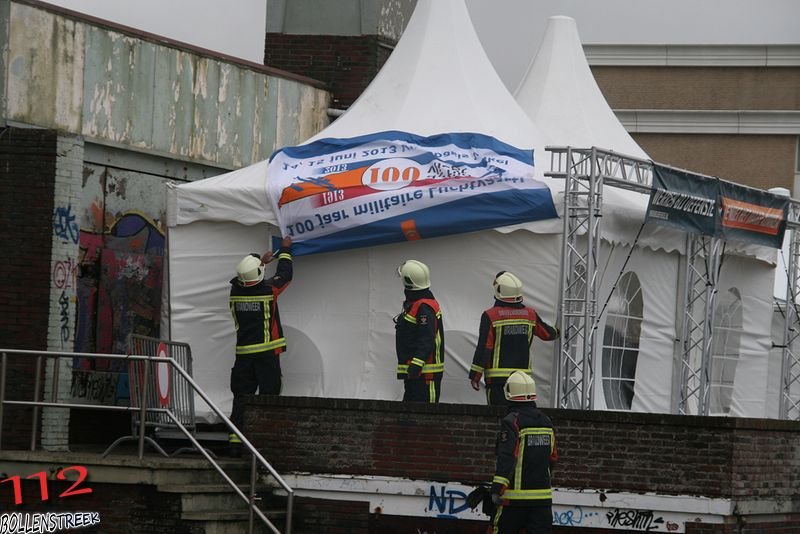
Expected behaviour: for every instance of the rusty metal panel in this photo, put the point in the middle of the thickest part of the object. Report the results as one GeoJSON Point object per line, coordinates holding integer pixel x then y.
{"type": "Point", "coordinates": [313, 112]}
{"type": "Point", "coordinates": [118, 90]}
{"type": "Point", "coordinates": [141, 97]}
{"type": "Point", "coordinates": [301, 112]}
{"type": "Point", "coordinates": [206, 109]}
{"type": "Point", "coordinates": [229, 113]}
{"type": "Point", "coordinates": [247, 103]}
{"type": "Point", "coordinates": [267, 125]}
{"type": "Point", "coordinates": [288, 113]}
{"type": "Point", "coordinates": [45, 69]}
{"type": "Point", "coordinates": [175, 101]}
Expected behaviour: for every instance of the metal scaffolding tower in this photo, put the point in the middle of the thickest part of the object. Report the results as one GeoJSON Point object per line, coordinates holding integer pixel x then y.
{"type": "Point", "coordinates": [585, 172]}
{"type": "Point", "coordinates": [703, 259]}
{"type": "Point", "coordinates": [790, 366]}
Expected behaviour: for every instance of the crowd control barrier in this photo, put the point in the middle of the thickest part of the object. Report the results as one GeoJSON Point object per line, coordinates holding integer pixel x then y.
{"type": "Point", "coordinates": [157, 385]}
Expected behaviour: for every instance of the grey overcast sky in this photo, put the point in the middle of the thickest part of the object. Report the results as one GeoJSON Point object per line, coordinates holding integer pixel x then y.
{"type": "Point", "coordinates": [510, 30]}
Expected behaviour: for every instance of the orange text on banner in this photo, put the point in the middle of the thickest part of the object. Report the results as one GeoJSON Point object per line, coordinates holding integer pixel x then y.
{"type": "Point", "coordinates": [751, 217]}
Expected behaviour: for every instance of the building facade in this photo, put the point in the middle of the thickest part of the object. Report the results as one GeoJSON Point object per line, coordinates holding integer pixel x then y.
{"type": "Point", "coordinates": [97, 119]}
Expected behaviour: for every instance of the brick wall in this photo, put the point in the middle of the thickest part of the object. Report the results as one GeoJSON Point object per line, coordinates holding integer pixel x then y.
{"type": "Point", "coordinates": [347, 64]}
{"type": "Point", "coordinates": [677, 455]}
{"type": "Point", "coordinates": [65, 227]}
{"type": "Point", "coordinates": [27, 176]}
{"type": "Point", "coordinates": [700, 88]}
{"type": "Point", "coordinates": [636, 452]}
{"type": "Point", "coordinates": [445, 442]}
{"type": "Point", "coordinates": [761, 161]}
{"type": "Point", "coordinates": [757, 160]}
{"type": "Point", "coordinates": [749, 459]}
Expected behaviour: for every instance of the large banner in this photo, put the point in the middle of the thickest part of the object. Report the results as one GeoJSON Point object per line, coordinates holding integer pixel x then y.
{"type": "Point", "coordinates": [392, 186]}
{"type": "Point", "coordinates": [682, 200]}
{"type": "Point", "coordinates": [752, 215]}
{"type": "Point", "coordinates": [713, 207]}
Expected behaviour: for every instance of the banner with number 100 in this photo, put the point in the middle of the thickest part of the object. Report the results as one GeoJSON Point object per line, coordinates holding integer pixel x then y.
{"type": "Point", "coordinates": [388, 187]}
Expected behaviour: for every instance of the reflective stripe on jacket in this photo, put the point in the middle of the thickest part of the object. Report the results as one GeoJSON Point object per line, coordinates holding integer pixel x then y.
{"type": "Point", "coordinates": [255, 310]}
{"type": "Point", "coordinates": [504, 341]}
{"type": "Point", "coordinates": [420, 338]}
{"type": "Point", "coordinates": [526, 449]}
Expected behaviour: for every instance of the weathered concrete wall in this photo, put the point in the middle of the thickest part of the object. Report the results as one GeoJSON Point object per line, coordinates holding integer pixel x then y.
{"type": "Point", "coordinates": [123, 89]}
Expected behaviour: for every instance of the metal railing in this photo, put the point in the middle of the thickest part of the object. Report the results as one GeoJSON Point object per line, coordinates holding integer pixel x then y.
{"type": "Point", "coordinates": [143, 412]}
{"type": "Point", "coordinates": [162, 388]}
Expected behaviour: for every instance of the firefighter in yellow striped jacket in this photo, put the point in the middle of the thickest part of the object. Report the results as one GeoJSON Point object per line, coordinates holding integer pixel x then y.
{"type": "Point", "coordinates": [259, 335]}
{"type": "Point", "coordinates": [526, 453]}
{"type": "Point", "coordinates": [419, 336]}
{"type": "Point", "coordinates": [505, 337]}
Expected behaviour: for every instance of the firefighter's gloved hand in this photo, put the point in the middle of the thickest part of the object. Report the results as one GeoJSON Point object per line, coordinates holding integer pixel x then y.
{"type": "Point", "coordinates": [496, 491]}
{"type": "Point", "coordinates": [476, 382]}
{"type": "Point", "coordinates": [414, 371]}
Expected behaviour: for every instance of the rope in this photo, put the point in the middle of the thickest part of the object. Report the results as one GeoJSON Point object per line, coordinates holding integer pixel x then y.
{"type": "Point", "coordinates": [619, 277]}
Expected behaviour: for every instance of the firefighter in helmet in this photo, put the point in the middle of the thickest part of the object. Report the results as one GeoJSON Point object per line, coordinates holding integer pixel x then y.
{"type": "Point", "coordinates": [526, 453]}
{"type": "Point", "coordinates": [419, 336]}
{"type": "Point", "coordinates": [504, 338]}
{"type": "Point", "coordinates": [259, 335]}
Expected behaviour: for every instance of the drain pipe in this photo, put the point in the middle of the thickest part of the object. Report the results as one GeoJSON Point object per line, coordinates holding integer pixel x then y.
{"type": "Point", "coordinates": [335, 113]}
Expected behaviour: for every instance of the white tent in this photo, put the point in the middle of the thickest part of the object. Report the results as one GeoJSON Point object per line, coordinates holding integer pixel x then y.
{"type": "Point", "coordinates": [338, 312]}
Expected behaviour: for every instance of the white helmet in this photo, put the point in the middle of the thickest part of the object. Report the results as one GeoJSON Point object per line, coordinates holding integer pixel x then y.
{"type": "Point", "coordinates": [415, 274]}
{"type": "Point", "coordinates": [507, 287]}
{"type": "Point", "coordinates": [520, 387]}
{"type": "Point", "coordinates": [250, 270]}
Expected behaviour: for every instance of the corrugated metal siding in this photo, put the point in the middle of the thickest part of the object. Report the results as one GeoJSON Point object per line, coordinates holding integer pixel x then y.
{"type": "Point", "coordinates": [129, 92]}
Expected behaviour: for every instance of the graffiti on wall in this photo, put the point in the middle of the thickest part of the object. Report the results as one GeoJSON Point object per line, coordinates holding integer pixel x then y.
{"type": "Point", "coordinates": [64, 224]}
{"type": "Point", "coordinates": [65, 230]}
{"type": "Point", "coordinates": [119, 276]}
{"type": "Point", "coordinates": [96, 387]}
{"type": "Point", "coordinates": [636, 519]}
{"type": "Point", "coordinates": [572, 517]}
{"type": "Point", "coordinates": [447, 502]}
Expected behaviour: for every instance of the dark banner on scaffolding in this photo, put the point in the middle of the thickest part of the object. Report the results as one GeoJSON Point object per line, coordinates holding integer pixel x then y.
{"type": "Point", "coordinates": [683, 200]}
{"type": "Point", "coordinates": [752, 215]}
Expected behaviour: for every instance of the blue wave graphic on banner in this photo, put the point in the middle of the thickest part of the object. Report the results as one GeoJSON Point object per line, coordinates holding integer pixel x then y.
{"type": "Point", "coordinates": [478, 212]}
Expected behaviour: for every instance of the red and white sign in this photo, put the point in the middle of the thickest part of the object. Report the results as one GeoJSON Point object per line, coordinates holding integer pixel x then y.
{"type": "Point", "coordinates": [163, 376]}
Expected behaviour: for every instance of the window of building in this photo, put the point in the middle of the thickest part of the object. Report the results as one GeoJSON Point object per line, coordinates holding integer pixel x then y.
{"type": "Point", "coordinates": [621, 343]}
{"type": "Point", "coordinates": [797, 158]}
{"type": "Point", "coordinates": [796, 189]}
{"type": "Point", "coordinates": [725, 350]}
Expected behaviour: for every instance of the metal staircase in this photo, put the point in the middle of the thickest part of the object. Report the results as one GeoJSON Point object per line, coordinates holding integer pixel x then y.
{"type": "Point", "coordinates": [145, 411]}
